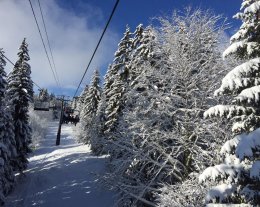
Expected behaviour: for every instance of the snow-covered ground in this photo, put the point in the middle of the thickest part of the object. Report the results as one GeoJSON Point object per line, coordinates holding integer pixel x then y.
{"type": "Point", "coordinates": [61, 176]}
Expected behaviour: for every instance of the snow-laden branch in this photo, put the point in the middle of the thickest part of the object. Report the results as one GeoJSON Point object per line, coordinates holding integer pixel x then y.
{"type": "Point", "coordinates": [227, 111]}
{"type": "Point", "coordinates": [249, 95]}
{"type": "Point", "coordinates": [220, 192]}
{"type": "Point", "coordinates": [231, 81]}
{"type": "Point", "coordinates": [236, 46]}
{"type": "Point", "coordinates": [248, 143]}
{"type": "Point", "coordinates": [222, 171]}
{"type": "Point", "coordinates": [253, 8]}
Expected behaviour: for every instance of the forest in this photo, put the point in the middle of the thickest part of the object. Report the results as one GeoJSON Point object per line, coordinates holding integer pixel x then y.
{"type": "Point", "coordinates": [177, 117]}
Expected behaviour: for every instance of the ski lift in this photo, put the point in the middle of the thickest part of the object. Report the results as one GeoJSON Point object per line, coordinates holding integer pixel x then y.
{"type": "Point", "coordinates": [70, 116]}
{"type": "Point", "coordinates": [68, 110]}
{"type": "Point", "coordinates": [41, 106]}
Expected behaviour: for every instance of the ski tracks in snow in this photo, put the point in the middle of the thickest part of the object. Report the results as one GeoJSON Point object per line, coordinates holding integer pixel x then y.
{"type": "Point", "coordinates": [61, 175]}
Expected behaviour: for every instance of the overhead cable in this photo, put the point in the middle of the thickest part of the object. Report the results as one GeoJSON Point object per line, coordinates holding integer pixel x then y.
{"type": "Point", "coordinates": [48, 41]}
{"type": "Point", "coordinates": [55, 78]}
{"type": "Point", "coordinates": [14, 65]}
{"type": "Point", "coordinates": [110, 17]}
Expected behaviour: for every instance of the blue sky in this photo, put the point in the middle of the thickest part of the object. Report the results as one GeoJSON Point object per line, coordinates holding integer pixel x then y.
{"type": "Point", "coordinates": [74, 27]}
{"type": "Point", "coordinates": [133, 12]}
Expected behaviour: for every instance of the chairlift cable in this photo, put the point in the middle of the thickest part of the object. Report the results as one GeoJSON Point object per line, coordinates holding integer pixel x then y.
{"type": "Point", "coordinates": [43, 43]}
{"type": "Point", "coordinates": [110, 17]}
{"type": "Point", "coordinates": [14, 65]}
{"type": "Point", "coordinates": [48, 41]}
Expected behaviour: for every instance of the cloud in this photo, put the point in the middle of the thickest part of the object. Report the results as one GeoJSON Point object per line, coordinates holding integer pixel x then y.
{"type": "Point", "coordinates": [73, 37]}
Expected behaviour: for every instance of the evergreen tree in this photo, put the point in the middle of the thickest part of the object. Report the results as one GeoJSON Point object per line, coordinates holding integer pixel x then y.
{"type": "Point", "coordinates": [131, 53]}
{"type": "Point", "coordinates": [116, 81]}
{"type": "Point", "coordinates": [143, 49]}
{"type": "Point", "coordinates": [92, 97]}
{"type": "Point", "coordinates": [7, 144]}
{"type": "Point", "coordinates": [115, 104]}
{"type": "Point", "coordinates": [20, 94]}
{"type": "Point", "coordinates": [82, 99]}
{"type": "Point", "coordinates": [91, 102]}
{"type": "Point", "coordinates": [75, 103]}
{"type": "Point", "coordinates": [80, 107]}
{"type": "Point", "coordinates": [238, 176]}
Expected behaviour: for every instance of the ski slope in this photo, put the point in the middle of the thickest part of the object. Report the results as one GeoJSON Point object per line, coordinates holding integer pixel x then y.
{"type": "Point", "coordinates": [61, 176]}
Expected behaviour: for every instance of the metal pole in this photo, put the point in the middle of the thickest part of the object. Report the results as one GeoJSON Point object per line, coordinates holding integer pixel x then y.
{"type": "Point", "coordinates": [61, 118]}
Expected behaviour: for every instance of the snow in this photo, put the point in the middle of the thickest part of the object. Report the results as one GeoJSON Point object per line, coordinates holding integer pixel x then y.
{"type": "Point", "coordinates": [220, 171]}
{"type": "Point", "coordinates": [237, 126]}
{"type": "Point", "coordinates": [244, 144]}
{"type": "Point", "coordinates": [230, 145]}
{"type": "Point", "coordinates": [25, 90]}
{"type": "Point", "coordinates": [255, 170]}
{"type": "Point", "coordinates": [240, 33]}
{"type": "Point", "coordinates": [62, 175]}
{"type": "Point", "coordinates": [253, 8]}
{"type": "Point", "coordinates": [245, 3]}
{"type": "Point", "coordinates": [250, 95]}
{"type": "Point", "coordinates": [2, 162]}
{"type": "Point", "coordinates": [226, 110]}
{"type": "Point", "coordinates": [233, 48]}
{"type": "Point", "coordinates": [228, 205]}
{"type": "Point", "coordinates": [221, 191]}
{"type": "Point", "coordinates": [248, 143]}
{"type": "Point", "coordinates": [230, 80]}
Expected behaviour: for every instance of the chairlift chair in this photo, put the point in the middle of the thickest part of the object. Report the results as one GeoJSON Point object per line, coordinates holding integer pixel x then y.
{"type": "Point", "coordinates": [41, 106]}
{"type": "Point", "coordinates": [68, 110]}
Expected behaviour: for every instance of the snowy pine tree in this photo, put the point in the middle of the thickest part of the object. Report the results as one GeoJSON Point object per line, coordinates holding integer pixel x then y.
{"type": "Point", "coordinates": [20, 94]}
{"type": "Point", "coordinates": [238, 176]}
{"type": "Point", "coordinates": [81, 100]}
{"type": "Point", "coordinates": [92, 97]}
{"type": "Point", "coordinates": [143, 46]}
{"type": "Point", "coordinates": [116, 82]}
{"type": "Point", "coordinates": [7, 144]}
{"type": "Point", "coordinates": [80, 107]}
{"type": "Point", "coordinates": [121, 75]}
{"type": "Point", "coordinates": [90, 106]}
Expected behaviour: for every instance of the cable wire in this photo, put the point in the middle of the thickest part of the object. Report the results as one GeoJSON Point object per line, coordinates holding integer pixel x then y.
{"type": "Point", "coordinates": [14, 65]}
{"type": "Point", "coordinates": [43, 44]}
{"type": "Point", "coordinates": [48, 41]}
{"type": "Point", "coordinates": [110, 17]}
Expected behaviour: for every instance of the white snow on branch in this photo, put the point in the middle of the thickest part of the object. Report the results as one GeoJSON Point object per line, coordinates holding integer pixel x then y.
{"type": "Point", "coordinates": [240, 33]}
{"type": "Point", "coordinates": [231, 159]}
{"type": "Point", "coordinates": [238, 126]}
{"type": "Point", "coordinates": [25, 90]}
{"type": "Point", "coordinates": [221, 171]}
{"type": "Point", "coordinates": [228, 205]}
{"type": "Point", "coordinates": [249, 94]}
{"type": "Point", "coordinates": [233, 48]}
{"type": "Point", "coordinates": [255, 170]}
{"type": "Point", "coordinates": [245, 4]}
{"type": "Point", "coordinates": [247, 144]}
{"type": "Point", "coordinates": [230, 145]}
{"type": "Point", "coordinates": [221, 192]}
{"type": "Point", "coordinates": [253, 8]}
{"type": "Point", "coordinates": [227, 110]}
{"type": "Point", "coordinates": [238, 72]}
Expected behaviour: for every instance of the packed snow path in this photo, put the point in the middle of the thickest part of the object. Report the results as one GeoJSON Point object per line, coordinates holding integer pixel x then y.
{"type": "Point", "coordinates": [61, 176]}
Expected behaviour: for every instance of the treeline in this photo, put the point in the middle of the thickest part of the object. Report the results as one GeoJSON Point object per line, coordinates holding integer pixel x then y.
{"type": "Point", "coordinates": [150, 115]}
{"type": "Point", "coordinates": [16, 92]}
